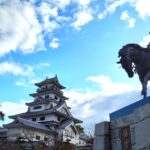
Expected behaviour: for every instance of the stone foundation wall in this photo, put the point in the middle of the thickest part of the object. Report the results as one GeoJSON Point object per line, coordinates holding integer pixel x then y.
{"type": "Point", "coordinates": [138, 137]}
{"type": "Point", "coordinates": [102, 136]}
{"type": "Point", "coordinates": [128, 129]}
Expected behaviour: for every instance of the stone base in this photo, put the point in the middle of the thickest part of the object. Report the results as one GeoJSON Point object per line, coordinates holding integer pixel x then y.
{"type": "Point", "coordinates": [129, 128]}
{"type": "Point", "coordinates": [102, 136]}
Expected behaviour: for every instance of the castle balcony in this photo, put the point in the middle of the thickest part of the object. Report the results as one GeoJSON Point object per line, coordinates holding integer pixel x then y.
{"type": "Point", "coordinates": [40, 90]}
{"type": "Point", "coordinates": [46, 89]}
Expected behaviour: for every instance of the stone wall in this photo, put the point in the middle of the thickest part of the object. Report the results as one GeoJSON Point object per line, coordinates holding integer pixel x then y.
{"type": "Point", "coordinates": [139, 130]}
{"type": "Point", "coordinates": [102, 136]}
{"type": "Point", "coordinates": [129, 128]}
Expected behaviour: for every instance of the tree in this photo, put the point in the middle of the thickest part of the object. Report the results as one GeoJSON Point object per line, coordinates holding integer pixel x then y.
{"type": "Point", "coordinates": [1, 115]}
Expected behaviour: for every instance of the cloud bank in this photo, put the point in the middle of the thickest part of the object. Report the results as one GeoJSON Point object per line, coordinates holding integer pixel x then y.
{"type": "Point", "coordinates": [95, 105]}
{"type": "Point", "coordinates": [91, 106]}
{"type": "Point", "coordinates": [24, 25]}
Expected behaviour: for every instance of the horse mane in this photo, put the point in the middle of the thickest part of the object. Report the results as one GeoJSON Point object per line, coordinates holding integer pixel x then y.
{"type": "Point", "coordinates": [138, 47]}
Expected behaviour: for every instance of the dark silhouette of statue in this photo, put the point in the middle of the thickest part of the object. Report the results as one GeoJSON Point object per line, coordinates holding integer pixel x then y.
{"type": "Point", "coordinates": [136, 59]}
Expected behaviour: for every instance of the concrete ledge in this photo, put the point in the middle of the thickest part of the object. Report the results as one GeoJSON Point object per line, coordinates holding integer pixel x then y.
{"type": "Point", "coordinates": [128, 109]}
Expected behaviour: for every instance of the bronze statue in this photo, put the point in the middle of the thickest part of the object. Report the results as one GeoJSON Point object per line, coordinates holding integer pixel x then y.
{"type": "Point", "coordinates": [136, 59]}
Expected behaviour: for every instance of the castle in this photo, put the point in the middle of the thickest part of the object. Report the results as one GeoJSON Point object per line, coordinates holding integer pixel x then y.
{"type": "Point", "coordinates": [48, 117]}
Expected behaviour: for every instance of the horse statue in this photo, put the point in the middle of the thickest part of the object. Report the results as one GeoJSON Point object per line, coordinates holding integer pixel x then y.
{"type": "Point", "coordinates": [136, 59]}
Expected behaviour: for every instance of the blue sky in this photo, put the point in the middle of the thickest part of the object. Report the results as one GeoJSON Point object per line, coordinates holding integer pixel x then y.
{"type": "Point", "coordinates": [76, 39]}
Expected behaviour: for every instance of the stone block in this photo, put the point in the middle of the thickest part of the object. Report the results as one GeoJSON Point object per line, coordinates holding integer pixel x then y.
{"type": "Point", "coordinates": [137, 117]}
{"type": "Point", "coordinates": [116, 145]}
{"type": "Point", "coordinates": [102, 128]}
{"type": "Point", "coordinates": [142, 133]}
{"type": "Point", "coordinates": [102, 143]}
{"type": "Point", "coordinates": [143, 112]}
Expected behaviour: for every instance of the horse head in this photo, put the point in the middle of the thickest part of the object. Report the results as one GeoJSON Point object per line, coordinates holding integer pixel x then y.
{"type": "Point", "coordinates": [125, 59]}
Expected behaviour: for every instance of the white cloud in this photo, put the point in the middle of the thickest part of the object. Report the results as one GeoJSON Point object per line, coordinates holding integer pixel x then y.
{"type": "Point", "coordinates": [24, 25]}
{"type": "Point", "coordinates": [15, 69]}
{"type": "Point", "coordinates": [95, 105]}
{"type": "Point", "coordinates": [82, 17]}
{"type": "Point", "coordinates": [145, 41]}
{"type": "Point", "coordinates": [62, 4]}
{"type": "Point", "coordinates": [21, 83]}
{"type": "Point", "coordinates": [42, 64]}
{"type": "Point", "coordinates": [54, 43]}
{"type": "Point", "coordinates": [131, 22]}
{"type": "Point", "coordinates": [18, 28]}
{"type": "Point", "coordinates": [125, 17]}
{"type": "Point", "coordinates": [26, 74]}
{"type": "Point", "coordinates": [116, 88]}
{"type": "Point", "coordinates": [46, 9]}
{"type": "Point", "coordinates": [111, 7]}
{"type": "Point", "coordinates": [82, 2]}
{"type": "Point", "coordinates": [90, 105]}
{"type": "Point", "coordinates": [141, 6]}
{"type": "Point", "coordinates": [11, 108]}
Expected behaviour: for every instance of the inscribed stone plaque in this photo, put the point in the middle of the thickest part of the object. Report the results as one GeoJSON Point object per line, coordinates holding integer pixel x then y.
{"type": "Point", "coordinates": [126, 138]}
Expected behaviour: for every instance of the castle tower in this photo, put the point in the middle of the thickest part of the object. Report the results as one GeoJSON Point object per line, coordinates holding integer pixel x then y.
{"type": "Point", "coordinates": [48, 114]}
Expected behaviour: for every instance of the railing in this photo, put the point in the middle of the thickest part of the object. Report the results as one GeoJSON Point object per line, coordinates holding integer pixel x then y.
{"type": "Point", "coordinates": [40, 90]}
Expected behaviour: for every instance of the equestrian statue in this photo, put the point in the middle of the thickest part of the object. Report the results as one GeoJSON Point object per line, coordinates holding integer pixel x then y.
{"type": "Point", "coordinates": [136, 59]}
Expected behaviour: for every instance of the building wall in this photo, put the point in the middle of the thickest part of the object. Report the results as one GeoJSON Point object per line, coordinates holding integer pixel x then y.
{"type": "Point", "coordinates": [65, 110]}
{"type": "Point", "coordinates": [27, 133]}
{"type": "Point", "coordinates": [51, 95]}
{"type": "Point", "coordinates": [68, 133]}
{"type": "Point", "coordinates": [49, 117]}
{"type": "Point", "coordinates": [13, 133]}
{"type": "Point", "coordinates": [43, 107]}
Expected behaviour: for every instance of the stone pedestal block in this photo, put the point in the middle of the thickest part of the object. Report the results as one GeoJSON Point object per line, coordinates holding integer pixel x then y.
{"type": "Point", "coordinates": [102, 136]}
{"type": "Point", "coordinates": [130, 127]}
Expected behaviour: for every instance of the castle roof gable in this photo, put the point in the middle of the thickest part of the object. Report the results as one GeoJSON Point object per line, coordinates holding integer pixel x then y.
{"type": "Point", "coordinates": [53, 80]}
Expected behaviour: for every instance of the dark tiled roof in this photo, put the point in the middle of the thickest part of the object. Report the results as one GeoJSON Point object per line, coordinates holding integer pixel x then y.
{"type": "Point", "coordinates": [32, 124]}
{"type": "Point", "coordinates": [50, 91]}
{"type": "Point", "coordinates": [59, 105]}
{"type": "Point", "coordinates": [50, 80]}
{"type": "Point", "coordinates": [50, 123]}
{"type": "Point", "coordinates": [2, 130]}
{"type": "Point", "coordinates": [77, 120]}
{"type": "Point", "coordinates": [39, 101]}
{"type": "Point", "coordinates": [27, 114]}
{"type": "Point", "coordinates": [65, 124]}
{"type": "Point", "coordinates": [47, 111]}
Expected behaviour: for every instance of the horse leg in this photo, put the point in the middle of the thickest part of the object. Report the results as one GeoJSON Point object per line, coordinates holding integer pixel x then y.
{"type": "Point", "coordinates": [143, 92]}
{"type": "Point", "coordinates": [144, 84]}
{"type": "Point", "coordinates": [143, 87]}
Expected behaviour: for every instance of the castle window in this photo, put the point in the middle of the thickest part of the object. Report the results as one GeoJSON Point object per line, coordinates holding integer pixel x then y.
{"type": "Point", "coordinates": [45, 138]}
{"type": "Point", "coordinates": [51, 106]}
{"type": "Point", "coordinates": [33, 119]}
{"type": "Point", "coordinates": [37, 137]}
{"type": "Point", "coordinates": [37, 107]}
{"type": "Point", "coordinates": [56, 97]}
{"type": "Point", "coordinates": [46, 96]}
{"type": "Point", "coordinates": [42, 118]}
{"type": "Point", "coordinates": [58, 118]}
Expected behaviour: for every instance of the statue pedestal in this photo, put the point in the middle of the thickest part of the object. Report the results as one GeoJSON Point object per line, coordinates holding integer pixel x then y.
{"type": "Point", "coordinates": [102, 136]}
{"type": "Point", "coordinates": [130, 127]}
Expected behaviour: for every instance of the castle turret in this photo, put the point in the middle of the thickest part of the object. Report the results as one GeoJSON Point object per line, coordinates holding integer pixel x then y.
{"type": "Point", "coordinates": [49, 109]}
